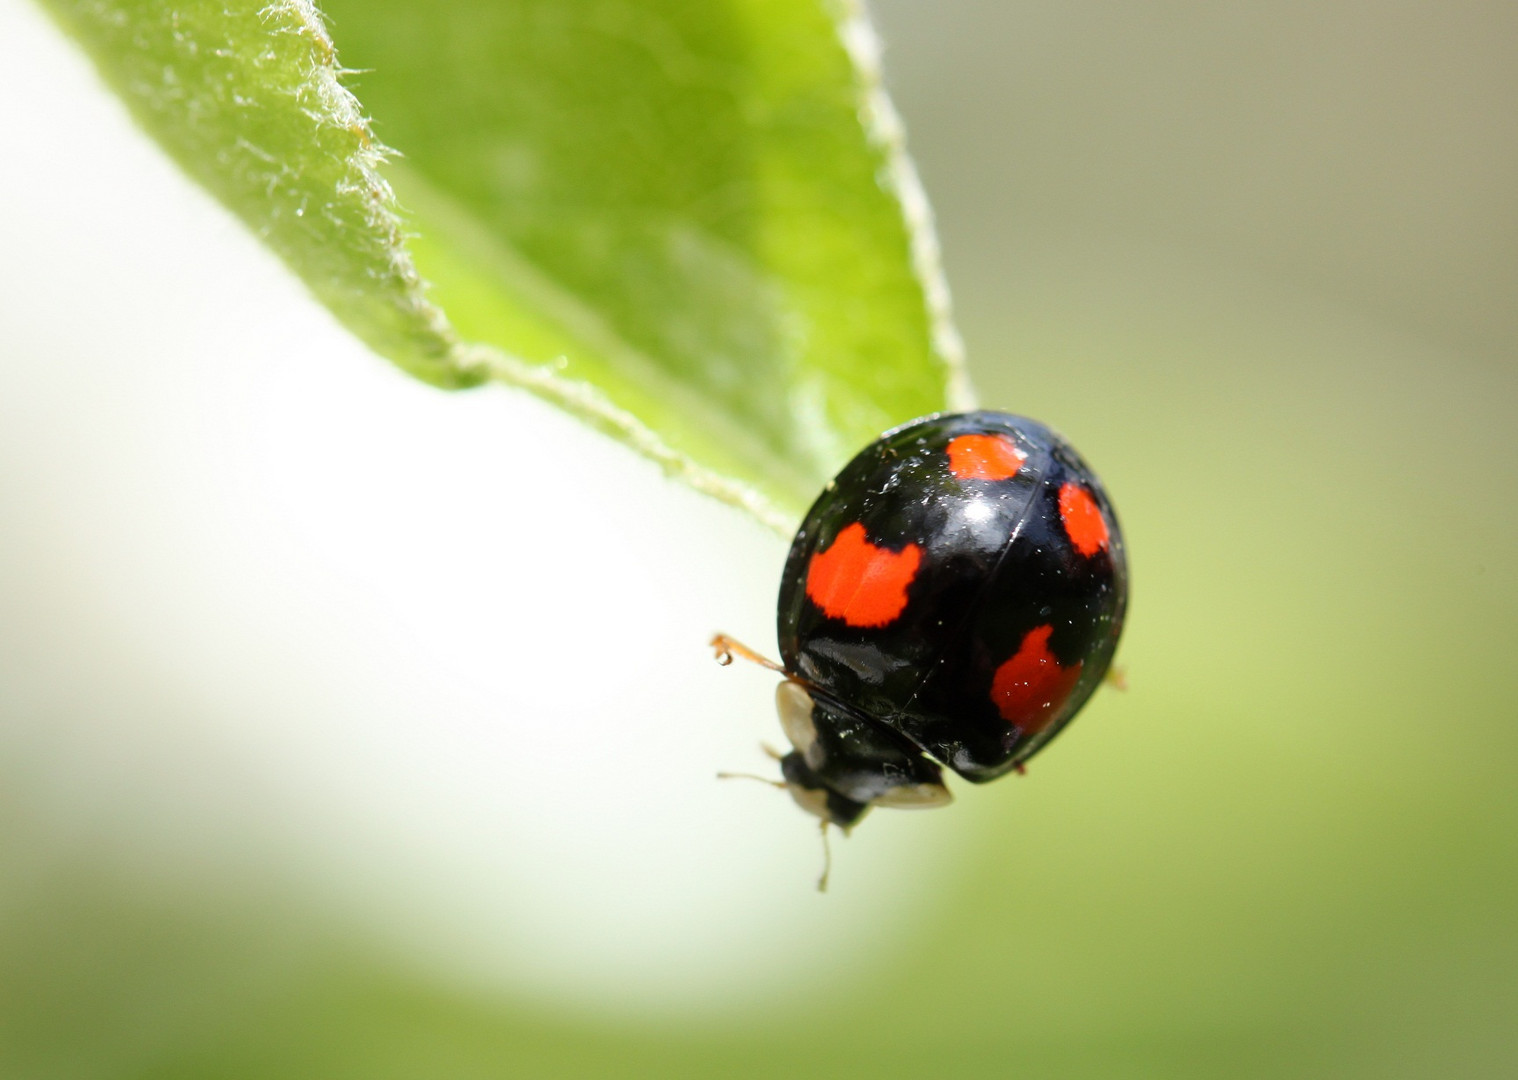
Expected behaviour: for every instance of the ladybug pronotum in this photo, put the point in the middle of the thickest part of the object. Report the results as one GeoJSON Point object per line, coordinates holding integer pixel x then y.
{"type": "Point", "coordinates": [952, 598]}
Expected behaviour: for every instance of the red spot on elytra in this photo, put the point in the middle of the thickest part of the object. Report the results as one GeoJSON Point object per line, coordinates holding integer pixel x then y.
{"type": "Point", "coordinates": [860, 583]}
{"type": "Point", "coordinates": [1083, 519]}
{"type": "Point", "coordinates": [984, 457]}
{"type": "Point", "coordinates": [1029, 688]}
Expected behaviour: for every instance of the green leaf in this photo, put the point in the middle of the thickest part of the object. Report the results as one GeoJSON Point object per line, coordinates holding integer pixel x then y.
{"type": "Point", "coordinates": [691, 224]}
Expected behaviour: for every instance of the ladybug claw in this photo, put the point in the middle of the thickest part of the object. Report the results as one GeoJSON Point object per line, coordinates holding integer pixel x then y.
{"type": "Point", "coordinates": [1116, 678]}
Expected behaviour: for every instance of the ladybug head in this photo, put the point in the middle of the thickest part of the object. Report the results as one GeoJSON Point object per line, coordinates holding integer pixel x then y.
{"type": "Point", "coordinates": [815, 797]}
{"type": "Point", "coordinates": [844, 763]}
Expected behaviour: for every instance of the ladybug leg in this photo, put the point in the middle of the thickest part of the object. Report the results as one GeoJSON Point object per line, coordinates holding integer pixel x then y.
{"type": "Point", "coordinates": [1116, 678]}
{"type": "Point", "coordinates": [726, 648]}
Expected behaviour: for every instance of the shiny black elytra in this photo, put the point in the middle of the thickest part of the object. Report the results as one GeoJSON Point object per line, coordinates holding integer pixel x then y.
{"type": "Point", "coordinates": [954, 596]}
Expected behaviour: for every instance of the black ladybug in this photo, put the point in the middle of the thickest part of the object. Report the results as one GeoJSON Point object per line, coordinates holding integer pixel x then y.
{"type": "Point", "coordinates": [955, 594]}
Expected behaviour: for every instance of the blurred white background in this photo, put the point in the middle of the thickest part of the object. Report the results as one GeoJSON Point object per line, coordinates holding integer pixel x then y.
{"type": "Point", "coordinates": [277, 619]}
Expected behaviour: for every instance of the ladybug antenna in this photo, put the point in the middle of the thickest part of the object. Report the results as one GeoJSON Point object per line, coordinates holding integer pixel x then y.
{"type": "Point", "coordinates": [773, 753]}
{"type": "Point", "coordinates": [726, 648]}
{"type": "Point", "coordinates": [827, 849]}
{"type": "Point", "coordinates": [750, 776]}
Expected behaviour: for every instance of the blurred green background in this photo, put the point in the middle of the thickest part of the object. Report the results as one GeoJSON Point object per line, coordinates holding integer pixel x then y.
{"type": "Point", "coordinates": [1260, 263]}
